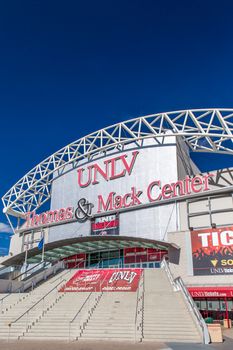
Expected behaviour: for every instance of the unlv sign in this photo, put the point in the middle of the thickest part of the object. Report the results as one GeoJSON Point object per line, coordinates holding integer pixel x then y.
{"type": "Point", "coordinates": [100, 184]}
{"type": "Point", "coordinates": [212, 251]}
{"type": "Point", "coordinates": [104, 280]}
{"type": "Point", "coordinates": [113, 169]}
{"type": "Point", "coordinates": [121, 166]}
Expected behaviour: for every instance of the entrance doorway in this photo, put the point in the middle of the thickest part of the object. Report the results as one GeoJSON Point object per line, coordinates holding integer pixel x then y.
{"type": "Point", "coordinates": [135, 257]}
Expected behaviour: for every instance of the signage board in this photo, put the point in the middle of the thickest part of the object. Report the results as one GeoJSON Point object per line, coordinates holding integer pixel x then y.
{"type": "Point", "coordinates": [105, 280]}
{"type": "Point", "coordinates": [123, 182]}
{"type": "Point", "coordinates": [212, 251]}
{"type": "Point", "coordinates": [211, 292]}
{"type": "Point", "coordinates": [105, 225]}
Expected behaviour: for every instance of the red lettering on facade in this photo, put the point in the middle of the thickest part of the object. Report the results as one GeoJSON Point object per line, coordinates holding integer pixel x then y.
{"type": "Point", "coordinates": [116, 202]}
{"type": "Point", "coordinates": [48, 217]}
{"type": "Point", "coordinates": [108, 171]}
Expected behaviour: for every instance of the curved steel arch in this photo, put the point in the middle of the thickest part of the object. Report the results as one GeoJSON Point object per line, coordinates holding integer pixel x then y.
{"type": "Point", "coordinates": [203, 130]}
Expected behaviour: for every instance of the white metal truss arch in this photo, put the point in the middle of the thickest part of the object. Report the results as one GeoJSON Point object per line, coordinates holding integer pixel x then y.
{"type": "Point", "coordinates": [203, 130]}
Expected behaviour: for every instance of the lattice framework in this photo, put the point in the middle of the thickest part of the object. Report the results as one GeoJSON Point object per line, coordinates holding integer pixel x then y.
{"type": "Point", "coordinates": [206, 130]}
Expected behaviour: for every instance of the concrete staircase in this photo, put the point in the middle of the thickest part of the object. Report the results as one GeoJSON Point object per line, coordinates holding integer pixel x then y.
{"type": "Point", "coordinates": [56, 323]}
{"type": "Point", "coordinates": [17, 304]}
{"type": "Point", "coordinates": [154, 313]}
{"type": "Point", "coordinates": [166, 316]}
{"type": "Point", "coordinates": [113, 319]}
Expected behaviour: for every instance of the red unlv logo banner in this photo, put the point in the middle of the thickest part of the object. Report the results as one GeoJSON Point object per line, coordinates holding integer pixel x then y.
{"type": "Point", "coordinates": [107, 280]}
{"type": "Point", "coordinates": [212, 251]}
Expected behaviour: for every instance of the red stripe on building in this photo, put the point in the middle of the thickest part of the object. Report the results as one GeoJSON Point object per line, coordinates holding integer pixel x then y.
{"type": "Point", "coordinates": [211, 292]}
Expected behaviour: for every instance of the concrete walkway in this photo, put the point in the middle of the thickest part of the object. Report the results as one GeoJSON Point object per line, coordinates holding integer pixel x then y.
{"type": "Point", "coordinates": [82, 345]}
{"type": "Point", "coordinates": [100, 345]}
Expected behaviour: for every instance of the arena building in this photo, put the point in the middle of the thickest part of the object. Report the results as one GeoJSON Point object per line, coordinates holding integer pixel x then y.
{"type": "Point", "coordinates": [129, 196]}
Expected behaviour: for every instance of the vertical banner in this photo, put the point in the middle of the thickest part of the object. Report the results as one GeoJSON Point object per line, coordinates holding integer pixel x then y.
{"type": "Point", "coordinates": [105, 280]}
{"type": "Point", "coordinates": [212, 251]}
{"type": "Point", "coordinates": [105, 225]}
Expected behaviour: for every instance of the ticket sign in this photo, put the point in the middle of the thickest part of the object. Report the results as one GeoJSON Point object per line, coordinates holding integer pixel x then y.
{"type": "Point", "coordinates": [106, 280]}
{"type": "Point", "coordinates": [211, 292]}
{"type": "Point", "coordinates": [212, 251]}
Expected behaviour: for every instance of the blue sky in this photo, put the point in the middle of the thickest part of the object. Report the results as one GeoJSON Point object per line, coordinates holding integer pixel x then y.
{"type": "Point", "coordinates": [69, 68]}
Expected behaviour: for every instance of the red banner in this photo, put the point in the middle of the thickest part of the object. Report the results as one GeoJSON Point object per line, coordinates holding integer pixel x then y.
{"type": "Point", "coordinates": [138, 255]}
{"type": "Point", "coordinates": [106, 280]}
{"type": "Point", "coordinates": [212, 251]}
{"type": "Point", "coordinates": [77, 260]}
{"type": "Point", "coordinates": [211, 292]}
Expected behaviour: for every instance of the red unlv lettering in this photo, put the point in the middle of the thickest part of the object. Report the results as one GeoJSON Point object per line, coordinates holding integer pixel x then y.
{"type": "Point", "coordinates": [108, 171]}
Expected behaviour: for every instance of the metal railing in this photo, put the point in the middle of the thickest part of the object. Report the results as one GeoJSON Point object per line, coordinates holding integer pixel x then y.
{"type": "Point", "coordinates": [78, 312]}
{"type": "Point", "coordinates": [91, 309]}
{"type": "Point", "coordinates": [18, 290]}
{"type": "Point", "coordinates": [178, 284]}
{"type": "Point", "coordinates": [6, 270]}
{"type": "Point", "coordinates": [138, 326]}
{"type": "Point", "coordinates": [90, 312]}
{"type": "Point", "coordinates": [26, 313]}
{"type": "Point", "coordinates": [69, 270]}
{"type": "Point", "coordinates": [25, 275]}
{"type": "Point", "coordinates": [42, 299]}
{"type": "Point", "coordinates": [30, 284]}
{"type": "Point", "coordinates": [193, 307]}
{"type": "Point", "coordinates": [164, 265]}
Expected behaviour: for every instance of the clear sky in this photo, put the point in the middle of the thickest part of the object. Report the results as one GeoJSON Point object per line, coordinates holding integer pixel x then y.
{"type": "Point", "coordinates": [68, 68]}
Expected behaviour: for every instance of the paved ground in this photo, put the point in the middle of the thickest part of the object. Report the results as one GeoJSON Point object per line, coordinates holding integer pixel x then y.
{"type": "Point", "coordinates": [83, 345]}
{"type": "Point", "coordinates": [29, 345]}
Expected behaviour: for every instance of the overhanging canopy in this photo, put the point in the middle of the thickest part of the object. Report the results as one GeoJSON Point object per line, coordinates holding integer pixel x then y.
{"type": "Point", "coordinates": [57, 250]}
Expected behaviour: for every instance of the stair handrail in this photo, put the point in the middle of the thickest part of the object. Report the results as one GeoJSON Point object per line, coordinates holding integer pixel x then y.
{"type": "Point", "coordinates": [28, 284]}
{"type": "Point", "coordinates": [69, 270]}
{"type": "Point", "coordinates": [90, 312]}
{"type": "Point", "coordinates": [136, 313]}
{"type": "Point", "coordinates": [80, 309]}
{"type": "Point", "coordinates": [41, 299]}
{"type": "Point", "coordinates": [139, 297]}
{"type": "Point", "coordinates": [78, 312]}
{"type": "Point", "coordinates": [179, 285]}
{"type": "Point", "coordinates": [194, 308]}
{"type": "Point", "coordinates": [143, 303]}
{"type": "Point", "coordinates": [6, 296]}
{"type": "Point", "coordinates": [165, 266]}
{"type": "Point", "coordinates": [43, 263]}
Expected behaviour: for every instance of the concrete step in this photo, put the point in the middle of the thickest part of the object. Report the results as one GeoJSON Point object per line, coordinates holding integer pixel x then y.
{"type": "Point", "coordinates": [89, 337]}
{"type": "Point", "coordinates": [168, 339]}
{"type": "Point", "coordinates": [166, 316]}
